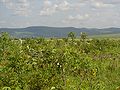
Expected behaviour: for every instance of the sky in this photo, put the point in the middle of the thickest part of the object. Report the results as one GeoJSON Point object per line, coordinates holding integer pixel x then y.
{"type": "Point", "coordinates": [60, 13]}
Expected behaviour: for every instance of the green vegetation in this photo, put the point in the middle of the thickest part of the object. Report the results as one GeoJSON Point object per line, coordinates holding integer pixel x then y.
{"type": "Point", "coordinates": [23, 33]}
{"type": "Point", "coordinates": [59, 64]}
{"type": "Point", "coordinates": [106, 36]}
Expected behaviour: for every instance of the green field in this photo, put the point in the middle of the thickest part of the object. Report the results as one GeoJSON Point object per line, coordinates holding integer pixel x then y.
{"type": "Point", "coordinates": [106, 36]}
{"type": "Point", "coordinates": [59, 64]}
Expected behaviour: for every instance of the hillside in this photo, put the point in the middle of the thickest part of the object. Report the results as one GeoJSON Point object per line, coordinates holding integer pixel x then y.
{"type": "Point", "coordinates": [44, 31]}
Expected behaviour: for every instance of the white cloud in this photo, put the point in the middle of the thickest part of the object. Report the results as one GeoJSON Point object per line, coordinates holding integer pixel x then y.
{"type": "Point", "coordinates": [48, 11]}
{"type": "Point", "coordinates": [100, 4]}
{"type": "Point", "coordinates": [113, 2]}
{"type": "Point", "coordinates": [64, 6]}
{"type": "Point", "coordinates": [19, 7]}
{"type": "Point", "coordinates": [47, 3]}
{"type": "Point", "coordinates": [49, 8]}
{"type": "Point", "coordinates": [76, 18]}
{"type": "Point", "coordinates": [97, 4]}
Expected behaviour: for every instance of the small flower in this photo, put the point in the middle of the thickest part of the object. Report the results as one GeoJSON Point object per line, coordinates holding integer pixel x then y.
{"type": "Point", "coordinates": [52, 88]}
{"type": "Point", "coordinates": [58, 64]}
{"type": "Point", "coordinates": [27, 46]}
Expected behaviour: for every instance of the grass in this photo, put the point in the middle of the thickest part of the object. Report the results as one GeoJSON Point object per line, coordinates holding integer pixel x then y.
{"type": "Point", "coordinates": [106, 36]}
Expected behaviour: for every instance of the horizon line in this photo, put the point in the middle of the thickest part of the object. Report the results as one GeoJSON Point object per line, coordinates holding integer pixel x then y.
{"type": "Point", "coordinates": [57, 27]}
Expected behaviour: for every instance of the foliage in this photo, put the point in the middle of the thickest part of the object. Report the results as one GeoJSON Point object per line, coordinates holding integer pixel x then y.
{"type": "Point", "coordinates": [71, 35]}
{"type": "Point", "coordinates": [83, 35]}
{"type": "Point", "coordinates": [58, 64]}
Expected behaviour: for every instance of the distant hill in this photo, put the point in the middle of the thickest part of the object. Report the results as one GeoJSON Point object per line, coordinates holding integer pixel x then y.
{"type": "Point", "coordinates": [44, 31]}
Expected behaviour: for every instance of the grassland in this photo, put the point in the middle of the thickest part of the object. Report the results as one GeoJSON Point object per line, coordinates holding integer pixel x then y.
{"type": "Point", "coordinates": [106, 36]}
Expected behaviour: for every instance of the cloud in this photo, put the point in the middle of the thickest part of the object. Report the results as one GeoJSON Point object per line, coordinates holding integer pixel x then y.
{"type": "Point", "coordinates": [2, 22]}
{"type": "Point", "coordinates": [100, 4]}
{"type": "Point", "coordinates": [64, 6]}
{"type": "Point", "coordinates": [49, 8]}
{"type": "Point", "coordinates": [76, 18]}
{"type": "Point", "coordinates": [94, 13]}
{"type": "Point", "coordinates": [47, 3]}
{"type": "Point", "coordinates": [48, 11]}
{"type": "Point", "coordinates": [19, 7]}
{"type": "Point", "coordinates": [113, 2]}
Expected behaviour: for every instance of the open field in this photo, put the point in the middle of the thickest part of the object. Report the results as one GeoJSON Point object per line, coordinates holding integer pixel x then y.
{"type": "Point", "coordinates": [59, 64]}
{"type": "Point", "coordinates": [106, 36]}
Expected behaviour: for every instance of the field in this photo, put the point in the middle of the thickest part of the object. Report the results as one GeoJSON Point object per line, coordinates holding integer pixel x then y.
{"type": "Point", "coordinates": [117, 36]}
{"type": "Point", "coordinates": [59, 64]}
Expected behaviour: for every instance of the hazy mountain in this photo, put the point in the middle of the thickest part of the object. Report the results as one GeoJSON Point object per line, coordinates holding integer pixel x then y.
{"type": "Point", "coordinates": [43, 31]}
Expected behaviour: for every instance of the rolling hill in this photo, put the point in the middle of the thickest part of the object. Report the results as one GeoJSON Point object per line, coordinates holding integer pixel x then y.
{"type": "Point", "coordinates": [44, 31]}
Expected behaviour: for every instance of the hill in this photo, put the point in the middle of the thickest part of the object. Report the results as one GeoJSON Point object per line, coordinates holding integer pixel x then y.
{"type": "Point", "coordinates": [44, 31]}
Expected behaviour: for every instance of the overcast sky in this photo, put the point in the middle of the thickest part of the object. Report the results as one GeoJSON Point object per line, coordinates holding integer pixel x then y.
{"type": "Point", "coordinates": [60, 13]}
